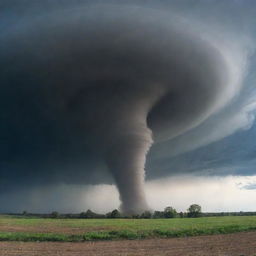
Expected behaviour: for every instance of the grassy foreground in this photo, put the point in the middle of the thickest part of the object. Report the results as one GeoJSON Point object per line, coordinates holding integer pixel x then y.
{"type": "Point", "coordinates": [113, 229]}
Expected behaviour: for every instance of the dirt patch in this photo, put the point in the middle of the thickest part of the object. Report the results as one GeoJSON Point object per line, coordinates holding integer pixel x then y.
{"type": "Point", "coordinates": [239, 244]}
{"type": "Point", "coordinates": [53, 229]}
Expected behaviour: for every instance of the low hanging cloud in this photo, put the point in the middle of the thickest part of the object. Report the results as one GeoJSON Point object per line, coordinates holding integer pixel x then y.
{"type": "Point", "coordinates": [92, 88]}
{"type": "Point", "coordinates": [230, 193]}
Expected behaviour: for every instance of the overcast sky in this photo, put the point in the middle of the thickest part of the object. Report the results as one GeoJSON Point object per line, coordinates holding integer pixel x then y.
{"type": "Point", "coordinates": [211, 163]}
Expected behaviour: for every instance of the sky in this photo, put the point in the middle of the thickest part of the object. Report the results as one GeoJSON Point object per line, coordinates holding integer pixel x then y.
{"type": "Point", "coordinates": [71, 136]}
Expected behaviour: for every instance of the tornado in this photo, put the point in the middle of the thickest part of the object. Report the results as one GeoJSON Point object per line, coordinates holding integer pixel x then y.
{"type": "Point", "coordinates": [115, 79]}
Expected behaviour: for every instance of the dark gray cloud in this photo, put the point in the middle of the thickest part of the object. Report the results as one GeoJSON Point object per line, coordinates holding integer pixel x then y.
{"type": "Point", "coordinates": [88, 89]}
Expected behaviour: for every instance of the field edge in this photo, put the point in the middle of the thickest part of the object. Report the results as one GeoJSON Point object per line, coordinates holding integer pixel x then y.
{"type": "Point", "coordinates": [120, 234]}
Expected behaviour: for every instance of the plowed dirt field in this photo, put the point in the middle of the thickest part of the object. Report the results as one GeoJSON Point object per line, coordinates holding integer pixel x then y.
{"type": "Point", "coordinates": [238, 244]}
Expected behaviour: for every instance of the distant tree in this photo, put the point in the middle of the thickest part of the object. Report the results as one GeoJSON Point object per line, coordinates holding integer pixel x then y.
{"type": "Point", "coordinates": [146, 215]}
{"type": "Point", "coordinates": [88, 214]}
{"type": "Point", "coordinates": [83, 215]}
{"type": "Point", "coordinates": [55, 214]}
{"type": "Point", "coordinates": [181, 214]}
{"type": "Point", "coordinates": [135, 216]}
{"type": "Point", "coordinates": [170, 212]}
{"type": "Point", "coordinates": [158, 215]}
{"type": "Point", "coordinates": [115, 214]}
{"type": "Point", "coordinates": [70, 216]}
{"type": "Point", "coordinates": [108, 215]}
{"type": "Point", "coordinates": [24, 213]}
{"type": "Point", "coordinates": [194, 211]}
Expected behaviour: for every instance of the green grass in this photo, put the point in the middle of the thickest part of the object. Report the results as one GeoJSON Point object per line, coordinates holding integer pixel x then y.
{"type": "Point", "coordinates": [113, 229]}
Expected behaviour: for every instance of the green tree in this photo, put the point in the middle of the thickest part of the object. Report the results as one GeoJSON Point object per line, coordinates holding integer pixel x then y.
{"type": "Point", "coordinates": [158, 215]}
{"type": "Point", "coordinates": [146, 215]}
{"type": "Point", "coordinates": [135, 216]}
{"type": "Point", "coordinates": [83, 215]}
{"type": "Point", "coordinates": [194, 211]}
{"type": "Point", "coordinates": [88, 214]}
{"type": "Point", "coordinates": [55, 215]}
{"type": "Point", "coordinates": [181, 214]}
{"type": "Point", "coordinates": [170, 212]}
{"type": "Point", "coordinates": [115, 214]}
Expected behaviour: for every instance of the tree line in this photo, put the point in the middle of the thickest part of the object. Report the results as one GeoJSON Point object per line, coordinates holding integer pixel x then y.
{"type": "Point", "coordinates": [169, 212]}
{"type": "Point", "coordinates": [194, 211]}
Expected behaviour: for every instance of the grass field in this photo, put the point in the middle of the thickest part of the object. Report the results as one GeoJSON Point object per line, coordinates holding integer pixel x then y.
{"type": "Point", "coordinates": [74, 230]}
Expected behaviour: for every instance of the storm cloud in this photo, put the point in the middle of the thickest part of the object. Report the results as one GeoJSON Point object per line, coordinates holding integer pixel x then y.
{"type": "Point", "coordinates": [92, 88]}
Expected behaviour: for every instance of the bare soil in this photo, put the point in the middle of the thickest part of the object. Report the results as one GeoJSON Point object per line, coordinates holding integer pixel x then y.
{"type": "Point", "coordinates": [239, 244]}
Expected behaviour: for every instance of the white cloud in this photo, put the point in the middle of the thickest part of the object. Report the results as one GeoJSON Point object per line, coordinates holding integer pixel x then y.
{"type": "Point", "coordinates": [214, 194]}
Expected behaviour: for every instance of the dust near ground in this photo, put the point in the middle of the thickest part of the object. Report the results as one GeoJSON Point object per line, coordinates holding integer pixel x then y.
{"type": "Point", "coordinates": [239, 244]}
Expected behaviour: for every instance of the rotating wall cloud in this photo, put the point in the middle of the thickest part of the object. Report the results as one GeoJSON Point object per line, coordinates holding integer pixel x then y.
{"type": "Point", "coordinates": [115, 79]}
